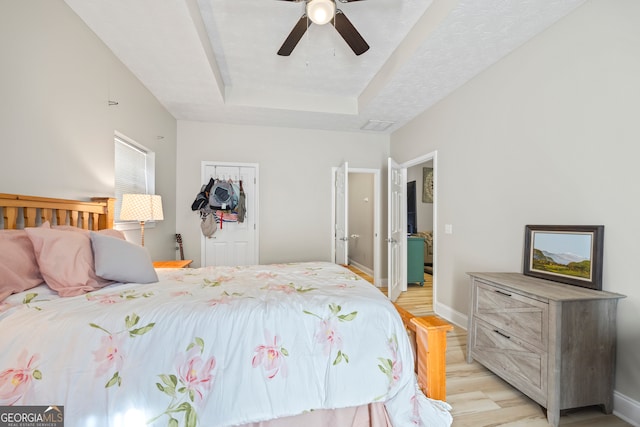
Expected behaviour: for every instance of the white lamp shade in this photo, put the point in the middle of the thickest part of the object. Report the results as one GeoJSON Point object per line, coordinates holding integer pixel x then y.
{"type": "Point", "coordinates": [321, 11]}
{"type": "Point", "coordinates": [141, 207]}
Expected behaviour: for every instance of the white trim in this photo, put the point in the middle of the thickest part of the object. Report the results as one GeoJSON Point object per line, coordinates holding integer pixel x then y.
{"type": "Point", "coordinates": [432, 156]}
{"type": "Point", "coordinates": [334, 169]}
{"type": "Point", "coordinates": [626, 408]}
{"type": "Point", "coordinates": [365, 270]}
{"type": "Point", "coordinates": [453, 316]}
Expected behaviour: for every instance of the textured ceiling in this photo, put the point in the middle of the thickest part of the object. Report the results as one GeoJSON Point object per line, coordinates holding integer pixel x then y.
{"type": "Point", "coordinates": [215, 60]}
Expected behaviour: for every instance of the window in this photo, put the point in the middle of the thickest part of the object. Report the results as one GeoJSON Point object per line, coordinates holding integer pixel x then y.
{"type": "Point", "coordinates": [134, 173]}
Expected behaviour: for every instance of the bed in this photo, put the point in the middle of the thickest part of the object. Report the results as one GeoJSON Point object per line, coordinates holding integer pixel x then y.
{"type": "Point", "coordinates": [93, 329]}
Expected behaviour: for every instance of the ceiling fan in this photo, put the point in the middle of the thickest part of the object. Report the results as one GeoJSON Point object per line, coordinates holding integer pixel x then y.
{"type": "Point", "coordinates": [322, 12]}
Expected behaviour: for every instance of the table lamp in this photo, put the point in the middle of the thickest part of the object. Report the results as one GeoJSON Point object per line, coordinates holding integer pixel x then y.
{"type": "Point", "coordinates": [142, 208]}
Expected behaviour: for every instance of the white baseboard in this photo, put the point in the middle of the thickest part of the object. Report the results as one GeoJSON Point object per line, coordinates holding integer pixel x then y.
{"type": "Point", "coordinates": [624, 407]}
{"type": "Point", "coordinates": [450, 315]}
{"type": "Point", "coordinates": [365, 270]}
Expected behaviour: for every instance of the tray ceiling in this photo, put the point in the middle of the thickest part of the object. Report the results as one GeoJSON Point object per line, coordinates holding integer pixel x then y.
{"type": "Point", "coordinates": [215, 60]}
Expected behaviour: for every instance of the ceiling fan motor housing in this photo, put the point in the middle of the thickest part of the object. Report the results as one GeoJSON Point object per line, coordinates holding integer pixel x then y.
{"type": "Point", "coordinates": [321, 11]}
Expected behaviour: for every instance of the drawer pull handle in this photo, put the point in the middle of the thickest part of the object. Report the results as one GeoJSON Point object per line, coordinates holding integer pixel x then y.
{"type": "Point", "coordinates": [504, 293]}
{"type": "Point", "coordinates": [502, 334]}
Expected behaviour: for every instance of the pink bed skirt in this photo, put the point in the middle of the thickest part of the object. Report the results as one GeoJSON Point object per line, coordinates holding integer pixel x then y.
{"type": "Point", "coordinates": [372, 415]}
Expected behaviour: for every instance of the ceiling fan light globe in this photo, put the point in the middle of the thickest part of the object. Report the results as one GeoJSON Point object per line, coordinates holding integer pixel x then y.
{"type": "Point", "coordinates": [321, 11]}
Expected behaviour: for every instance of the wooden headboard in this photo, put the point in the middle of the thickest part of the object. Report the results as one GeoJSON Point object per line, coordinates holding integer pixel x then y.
{"type": "Point", "coordinates": [18, 211]}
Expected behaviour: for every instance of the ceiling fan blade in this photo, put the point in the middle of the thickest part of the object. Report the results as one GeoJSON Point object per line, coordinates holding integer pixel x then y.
{"type": "Point", "coordinates": [294, 36]}
{"type": "Point", "coordinates": [349, 33]}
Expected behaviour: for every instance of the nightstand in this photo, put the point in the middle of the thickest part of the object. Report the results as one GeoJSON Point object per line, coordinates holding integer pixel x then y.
{"type": "Point", "coordinates": [172, 264]}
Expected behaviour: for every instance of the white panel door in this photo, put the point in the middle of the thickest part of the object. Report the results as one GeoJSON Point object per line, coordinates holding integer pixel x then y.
{"type": "Point", "coordinates": [397, 229]}
{"type": "Point", "coordinates": [342, 214]}
{"type": "Point", "coordinates": [233, 243]}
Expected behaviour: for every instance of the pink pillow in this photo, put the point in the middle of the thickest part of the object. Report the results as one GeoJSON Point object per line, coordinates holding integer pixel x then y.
{"type": "Point", "coordinates": [65, 260]}
{"type": "Point", "coordinates": [107, 232]}
{"type": "Point", "coordinates": [18, 266]}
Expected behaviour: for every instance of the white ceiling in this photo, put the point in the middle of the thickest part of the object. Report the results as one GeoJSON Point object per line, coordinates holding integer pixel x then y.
{"type": "Point", "coordinates": [215, 60]}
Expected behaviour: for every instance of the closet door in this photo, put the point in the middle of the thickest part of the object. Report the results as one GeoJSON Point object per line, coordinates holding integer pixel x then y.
{"type": "Point", "coordinates": [233, 243]}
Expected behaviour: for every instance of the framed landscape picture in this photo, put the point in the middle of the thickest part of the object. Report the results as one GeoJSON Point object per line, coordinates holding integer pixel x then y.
{"type": "Point", "coordinates": [570, 254]}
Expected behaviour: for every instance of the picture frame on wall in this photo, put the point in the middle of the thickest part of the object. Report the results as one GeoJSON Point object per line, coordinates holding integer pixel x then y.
{"type": "Point", "coordinates": [571, 254]}
{"type": "Point", "coordinates": [427, 185]}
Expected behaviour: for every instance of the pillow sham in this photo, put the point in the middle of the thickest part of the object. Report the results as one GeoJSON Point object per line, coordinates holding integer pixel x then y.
{"type": "Point", "coordinates": [18, 265]}
{"type": "Point", "coordinates": [65, 260]}
{"type": "Point", "coordinates": [121, 261]}
{"type": "Point", "coordinates": [107, 232]}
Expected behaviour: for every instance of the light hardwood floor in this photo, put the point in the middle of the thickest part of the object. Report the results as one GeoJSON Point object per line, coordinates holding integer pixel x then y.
{"type": "Point", "coordinates": [478, 397]}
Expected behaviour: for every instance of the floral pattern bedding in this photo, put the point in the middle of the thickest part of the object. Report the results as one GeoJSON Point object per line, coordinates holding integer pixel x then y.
{"type": "Point", "coordinates": [212, 347]}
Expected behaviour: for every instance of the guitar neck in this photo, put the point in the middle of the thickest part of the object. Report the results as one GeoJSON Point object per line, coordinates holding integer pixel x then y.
{"type": "Point", "coordinates": [179, 241]}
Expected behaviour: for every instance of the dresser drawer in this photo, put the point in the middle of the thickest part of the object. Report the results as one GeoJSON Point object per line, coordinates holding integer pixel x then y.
{"type": "Point", "coordinates": [515, 314]}
{"type": "Point", "coordinates": [517, 362]}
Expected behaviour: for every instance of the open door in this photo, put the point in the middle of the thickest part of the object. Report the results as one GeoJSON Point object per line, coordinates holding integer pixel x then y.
{"type": "Point", "coordinates": [342, 214]}
{"type": "Point", "coordinates": [397, 229]}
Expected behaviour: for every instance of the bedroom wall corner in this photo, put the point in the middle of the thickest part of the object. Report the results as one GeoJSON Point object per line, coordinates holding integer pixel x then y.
{"type": "Point", "coordinates": [57, 78]}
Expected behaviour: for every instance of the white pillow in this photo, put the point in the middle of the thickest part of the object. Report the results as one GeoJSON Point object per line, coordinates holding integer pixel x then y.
{"type": "Point", "coordinates": [121, 261]}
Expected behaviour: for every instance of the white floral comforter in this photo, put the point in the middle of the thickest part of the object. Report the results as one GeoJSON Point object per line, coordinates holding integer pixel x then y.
{"type": "Point", "coordinates": [212, 347]}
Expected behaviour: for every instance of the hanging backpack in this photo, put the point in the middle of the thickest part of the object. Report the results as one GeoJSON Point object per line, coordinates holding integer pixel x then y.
{"type": "Point", "coordinates": [202, 199]}
{"type": "Point", "coordinates": [223, 196]}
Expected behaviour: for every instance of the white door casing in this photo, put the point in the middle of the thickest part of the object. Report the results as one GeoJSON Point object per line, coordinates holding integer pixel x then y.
{"type": "Point", "coordinates": [377, 262]}
{"type": "Point", "coordinates": [396, 229]}
{"type": "Point", "coordinates": [432, 156]}
{"type": "Point", "coordinates": [233, 243]}
{"type": "Point", "coordinates": [342, 215]}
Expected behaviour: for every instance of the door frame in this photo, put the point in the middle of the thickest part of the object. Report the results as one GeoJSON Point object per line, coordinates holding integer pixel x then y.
{"type": "Point", "coordinates": [432, 156]}
{"type": "Point", "coordinates": [376, 218]}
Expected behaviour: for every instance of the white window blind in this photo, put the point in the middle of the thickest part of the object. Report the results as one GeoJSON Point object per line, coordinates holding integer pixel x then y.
{"type": "Point", "coordinates": [134, 171]}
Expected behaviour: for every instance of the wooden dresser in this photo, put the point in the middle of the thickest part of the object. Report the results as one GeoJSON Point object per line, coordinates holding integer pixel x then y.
{"type": "Point", "coordinates": [556, 343]}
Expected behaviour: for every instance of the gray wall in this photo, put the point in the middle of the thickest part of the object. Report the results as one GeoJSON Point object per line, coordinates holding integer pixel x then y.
{"type": "Point", "coordinates": [295, 181]}
{"type": "Point", "coordinates": [549, 135]}
{"type": "Point", "coordinates": [57, 130]}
